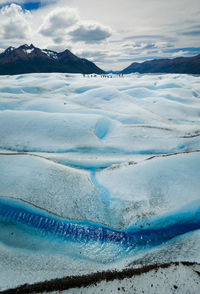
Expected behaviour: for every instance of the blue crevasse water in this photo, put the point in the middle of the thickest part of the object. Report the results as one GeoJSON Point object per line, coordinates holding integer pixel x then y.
{"type": "Point", "coordinates": [16, 215]}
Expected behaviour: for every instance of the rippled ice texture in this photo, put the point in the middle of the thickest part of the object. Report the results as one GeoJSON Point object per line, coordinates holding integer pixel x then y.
{"type": "Point", "coordinates": [110, 165]}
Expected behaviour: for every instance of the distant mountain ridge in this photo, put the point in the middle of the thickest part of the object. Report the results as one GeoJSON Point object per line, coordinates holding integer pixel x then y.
{"type": "Point", "coordinates": [30, 59]}
{"type": "Point", "coordinates": [187, 65]}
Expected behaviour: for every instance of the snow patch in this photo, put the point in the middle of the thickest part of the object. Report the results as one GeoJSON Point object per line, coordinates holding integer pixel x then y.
{"type": "Point", "coordinates": [50, 53]}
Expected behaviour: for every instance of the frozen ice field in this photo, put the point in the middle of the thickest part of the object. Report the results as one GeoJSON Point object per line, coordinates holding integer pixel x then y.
{"type": "Point", "coordinates": [97, 174]}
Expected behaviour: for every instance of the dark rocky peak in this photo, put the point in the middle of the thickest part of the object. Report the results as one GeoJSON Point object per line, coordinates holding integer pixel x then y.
{"type": "Point", "coordinates": [9, 50]}
{"type": "Point", "coordinates": [27, 47]}
{"type": "Point", "coordinates": [68, 55]}
{"type": "Point", "coordinates": [31, 51]}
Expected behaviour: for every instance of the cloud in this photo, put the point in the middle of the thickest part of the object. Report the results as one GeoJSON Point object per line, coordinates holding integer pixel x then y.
{"type": "Point", "coordinates": [64, 24]}
{"type": "Point", "coordinates": [180, 53]}
{"type": "Point", "coordinates": [6, 2]}
{"type": "Point", "coordinates": [60, 47]}
{"type": "Point", "coordinates": [57, 22]}
{"type": "Point", "coordinates": [93, 55]}
{"type": "Point", "coordinates": [189, 51]}
{"type": "Point", "coordinates": [14, 23]}
{"type": "Point", "coordinates": [143, 48]}
{"type": "Point", "coordinates": [192, 33]}
{"type": "Point", "coordinates": [143, 37]}
{"type": "Point", "coordinates": [90, 33]}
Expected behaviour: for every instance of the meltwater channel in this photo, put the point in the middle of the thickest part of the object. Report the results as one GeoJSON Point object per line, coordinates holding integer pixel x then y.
{"type": "Point", "coordinates": [33, 228]}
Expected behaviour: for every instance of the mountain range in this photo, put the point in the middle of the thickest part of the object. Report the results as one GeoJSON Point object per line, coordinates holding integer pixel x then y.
{"type": "Point", "coordinates": [29, 59]}
{"type": "Point", "coordinates": [186, 65]}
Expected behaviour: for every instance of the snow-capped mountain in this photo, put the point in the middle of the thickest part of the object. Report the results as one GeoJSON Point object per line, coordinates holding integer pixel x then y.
{"type": "Point", "coordinates": [30, 59]}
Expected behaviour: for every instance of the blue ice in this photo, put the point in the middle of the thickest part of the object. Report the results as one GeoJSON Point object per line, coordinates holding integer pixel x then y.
{"type": "Point", "coordinates": [21, 216]}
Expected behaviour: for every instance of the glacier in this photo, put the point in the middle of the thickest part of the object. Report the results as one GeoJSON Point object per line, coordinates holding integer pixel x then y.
{"type": "Point", "coordinates": [97, 173]}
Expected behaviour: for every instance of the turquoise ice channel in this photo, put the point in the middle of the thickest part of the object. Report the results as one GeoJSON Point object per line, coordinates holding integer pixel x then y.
{"type": "Point", "coordinates": [25, 220]}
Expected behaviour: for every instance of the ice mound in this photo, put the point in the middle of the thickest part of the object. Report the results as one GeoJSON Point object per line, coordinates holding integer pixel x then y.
{"type": "Point", "coordinates": [38, 131]}
{"type": "Point", "coordinates": [141, 114]}
{"type": "Point", "coordinates": [154, 186]}
{"type": "Point", "coordinates": [57, 188]}
{"type": "Point", "coordinates": [97, 173]}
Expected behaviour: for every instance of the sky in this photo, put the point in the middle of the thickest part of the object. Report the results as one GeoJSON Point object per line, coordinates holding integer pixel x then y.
{"type": "Point", "coordinates": [111, 33]}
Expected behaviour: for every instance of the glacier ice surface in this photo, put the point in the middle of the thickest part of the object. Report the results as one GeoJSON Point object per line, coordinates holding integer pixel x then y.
{"type": "Point", "coordinates": [118, 153]}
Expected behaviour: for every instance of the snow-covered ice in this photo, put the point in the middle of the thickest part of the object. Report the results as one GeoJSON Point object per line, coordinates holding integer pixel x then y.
{"type": "Point", "coordinates": [174, 279]}
{"type": "Point", "coordinates": [98, 173]}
